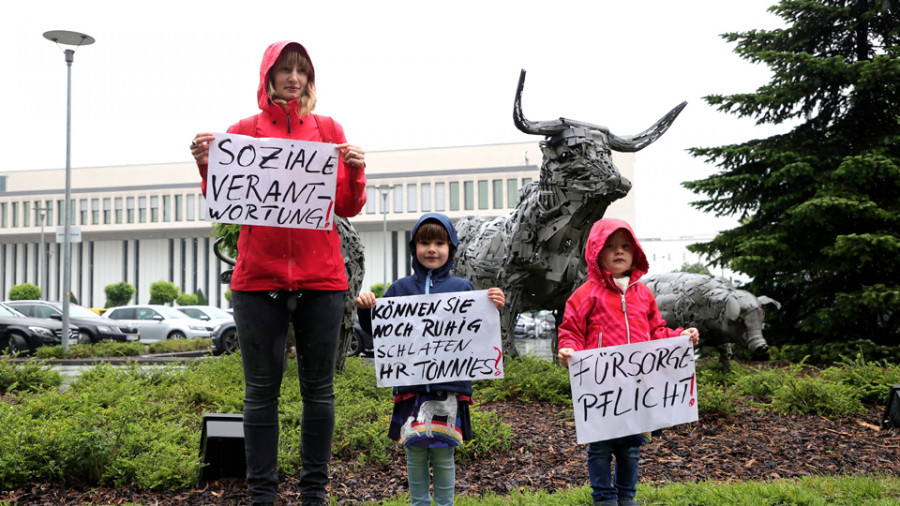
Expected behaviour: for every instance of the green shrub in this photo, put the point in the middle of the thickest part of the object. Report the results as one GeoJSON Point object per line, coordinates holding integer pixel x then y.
{"type": "Point", "coordinates": [101, 349]}
{"type": "Point", "coordinates": [186, 299]}
{"type": "Point", "coordinates": [489, 434]}
{"type": "Point", "coordinates": [27, 376]}
{"type": "Point", "coordinates": [814, 395]}
{"type": "Point", "coordinates": [527, 379]}
{"type": "Point", "coordinates": [163, 292]}
{"type": "Point", "coordinates": [118, 294]}
{"type": "Point", "coordinates": [25, 291]}
{"type": "Point", "coordinates": [829, 352]}
{"type": "Point", "coordinates": [871, 381]}
{"type": "Point", "coordinates": [178, 345]}
{"type": "Point", "coordinates": [761, 383]}
{"type": "Point", "coordinates": [362, 425]}
{"type": "Point", "coordinates": [716, 400]}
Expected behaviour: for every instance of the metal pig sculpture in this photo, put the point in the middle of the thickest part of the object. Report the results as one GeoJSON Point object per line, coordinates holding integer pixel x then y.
{"type": "Point", "coordinates": [722, 313]}
{"type": "Point", "coordinates": [536, 252]}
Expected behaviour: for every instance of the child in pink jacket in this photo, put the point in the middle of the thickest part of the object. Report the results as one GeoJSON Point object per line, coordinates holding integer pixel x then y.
{"type": "Point", "coordinates": [610, 309]}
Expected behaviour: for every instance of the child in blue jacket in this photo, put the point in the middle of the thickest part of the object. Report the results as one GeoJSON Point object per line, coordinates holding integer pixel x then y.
{"type": "Point", "coordinates": [432, 246]}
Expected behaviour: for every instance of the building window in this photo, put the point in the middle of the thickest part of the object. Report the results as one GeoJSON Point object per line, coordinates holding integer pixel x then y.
{"type": "Point", "coordinates": [498, 194]}
{"type": "Point", "coordinates": [454, 196]}
{"type": "Point", "coordinates": [154, 208]}
{"type": "Point", "coordinates": [3, 214]}
{"type": "Point", "coordinates": [167, 205]}
{"type": "Point", "coordinates": [204, 209]}
{"type": "Point", "coordinates": [26, 214]}
{"type": "Point", "coordinates": [426, 197]}
{"type": "Point", "coordinates": [129, 209]}
{"type": "Point", "coordinates": [142, 209]}
{"type": "Point", "coordinates": [483, 195]}
{"type": "Point", "coordinates": [48, 205]}
{"type": "Point", "coordinates": [191, 207]}
{"type": "Point", "coordinates": [107, 211]}
{"type": "Point", "coordinates": [512, 193]}
{"type": "Point", "coordinates": [15, 215]}
{"type": "Point", "coordinates": [526, 181]}
{"type": "Point", "coordinates": [398, 198]}
{"type": "Point", "coordinates": [411, 198]}
{"type": "Point", "coordinates": [179, 207]}
{"type": "Point", "coordinates": [439, 196]}
{"type": "Point", "coordinates": [83, 214]}
{"type": "Point", "coordinates": [370, 199]}
{"type": "Point", "coordinates": [60, 216]}
{"type": "Point", "coordinates": [119, 208]}
{"type": "Point", "coordinates": [468, 195]}
{"type": "Point", "coordinates": [95, 211]}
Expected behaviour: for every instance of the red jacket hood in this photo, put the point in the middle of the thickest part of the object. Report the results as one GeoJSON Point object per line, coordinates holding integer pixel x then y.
{"type": "Point", "coordinates": [601, 230]}
{"type": "Point", "coordinates": [269, 58]}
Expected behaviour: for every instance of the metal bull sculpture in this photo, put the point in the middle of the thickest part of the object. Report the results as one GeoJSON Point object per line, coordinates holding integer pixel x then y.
{"type": "Point", "coordinates": [536, 252]}
{"type": "Point", "coordinates": [722, 313]}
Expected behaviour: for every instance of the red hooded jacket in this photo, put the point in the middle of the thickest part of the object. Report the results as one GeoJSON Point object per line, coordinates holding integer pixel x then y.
{"type": "Point", "coordinates": [273, 258]}
{"type": "Point", "coordinates": [599, 314]}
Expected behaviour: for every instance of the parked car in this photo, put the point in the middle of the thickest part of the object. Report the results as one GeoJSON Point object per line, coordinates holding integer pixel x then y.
{"type": "Point", "coordinates": [361, 341]}
{"type": "Point", "coordinates": [158, 323]}
{"type": "Point", "coordinates": [91, 326]}
{"type": "Point", "coordinates": [224, 334]}
{"type": "Point", "coordinates": [536, 325]}
{"type": "Point", "coordinates": [21, 334]}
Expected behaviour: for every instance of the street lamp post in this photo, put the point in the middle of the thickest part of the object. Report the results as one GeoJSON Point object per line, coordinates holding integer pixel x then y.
{"type": "Point", "coordinates": [385, 189]}
{"type": "Point", "coordinates": [42, 263]}
{"type": "Point", "coordinates": [69, 39]}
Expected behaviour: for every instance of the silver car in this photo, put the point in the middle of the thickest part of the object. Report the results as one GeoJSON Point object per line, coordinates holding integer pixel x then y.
{"type": "Point", "coordinates": [225, 333]}
{"type": "Point", "coordinates": [158, 323]}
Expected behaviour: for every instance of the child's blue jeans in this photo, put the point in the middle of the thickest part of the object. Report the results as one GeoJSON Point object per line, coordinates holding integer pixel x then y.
{"type": "Point", "coordinates": [417, 468]}
{"type": "Point", "coordinates": [599, 463]}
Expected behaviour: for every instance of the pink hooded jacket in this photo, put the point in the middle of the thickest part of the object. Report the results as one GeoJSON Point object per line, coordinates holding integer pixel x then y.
{"type": "Point", "coordinates": [272, 258]}
{"type": "Point", "coordinates": [598, 314]}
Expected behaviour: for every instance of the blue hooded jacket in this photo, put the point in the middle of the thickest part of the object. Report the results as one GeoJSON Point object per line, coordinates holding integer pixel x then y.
{"type": "Point", "coordinates": [437, 281]}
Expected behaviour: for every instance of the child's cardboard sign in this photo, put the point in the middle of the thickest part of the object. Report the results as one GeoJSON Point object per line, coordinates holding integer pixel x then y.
{"type": "Point", "coordinates": [423, 339]}
{"type": "Point", "coordinates": [275, 182]}
{"type": "Point", "coordinates": [633, 388]}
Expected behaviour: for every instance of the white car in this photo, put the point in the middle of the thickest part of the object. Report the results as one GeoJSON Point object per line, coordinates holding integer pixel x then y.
{"type": "Point", "coordinates": [158, 323]}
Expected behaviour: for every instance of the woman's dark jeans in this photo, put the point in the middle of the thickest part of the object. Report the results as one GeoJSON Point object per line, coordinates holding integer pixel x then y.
{"type": "Point", "coordinates": [262, 323]}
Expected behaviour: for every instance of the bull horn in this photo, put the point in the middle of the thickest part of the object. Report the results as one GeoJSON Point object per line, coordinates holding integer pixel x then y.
{"type": "Point", "coordinates": [648, 136]}
{"type": "Point", "coordinates": [533, 127]}
{"type": "Point", "coordinates": [621, 144]}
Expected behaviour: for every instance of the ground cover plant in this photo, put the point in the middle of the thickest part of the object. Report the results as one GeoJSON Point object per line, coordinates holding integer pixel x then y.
{"type": "Point", "coordinates": [120, 430]}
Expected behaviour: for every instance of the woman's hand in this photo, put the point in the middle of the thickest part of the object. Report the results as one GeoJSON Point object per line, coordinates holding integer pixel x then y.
{"type": "Point", "coordinates": [366, 300]}
{"type": "Point", "coordinates": [497, 297]}
{"type": "Point", "coordinates": [200, 147]}
{"type": "Point", "coordinates": [693, 333]}
{"type": "Point", "coordinates": [353, 156]}
{"type": "Point", "coordinates": [564, 355]}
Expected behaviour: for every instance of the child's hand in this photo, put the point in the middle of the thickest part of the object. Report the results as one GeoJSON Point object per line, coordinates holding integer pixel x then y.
{"type": "Point", "coordinates": [694, 333]}
{"type": "Point", "coordinates": [366, 300]}
{"type": "Point", "coordinates": [564, 355]}
{"type": "Point", "coordinates": [499, 299]}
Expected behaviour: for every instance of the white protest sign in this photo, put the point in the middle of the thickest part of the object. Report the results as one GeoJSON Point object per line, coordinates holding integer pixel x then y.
{"type": "Point", "coordinates": [633, 388]}
{"type": "Point", "coordinates": [423, 339]}
{"type": "Point", "coordinates": [275, 182]}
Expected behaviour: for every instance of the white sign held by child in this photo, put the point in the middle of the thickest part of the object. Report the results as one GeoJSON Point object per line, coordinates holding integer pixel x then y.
{"type": "Point", "coordinates": [424, 339]}
{"type": "Point", "coordinates": [633, 388]}
{"type": "Point", "coordinates": [274, 182]}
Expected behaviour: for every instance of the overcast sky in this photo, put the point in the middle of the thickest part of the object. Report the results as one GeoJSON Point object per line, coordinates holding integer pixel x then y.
{"type": "Point", "coordinates": [396, 74]}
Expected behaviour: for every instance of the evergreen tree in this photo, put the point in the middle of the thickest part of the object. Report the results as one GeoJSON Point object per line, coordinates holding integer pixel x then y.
{"type": "Point", "coordinates": [819, 206]}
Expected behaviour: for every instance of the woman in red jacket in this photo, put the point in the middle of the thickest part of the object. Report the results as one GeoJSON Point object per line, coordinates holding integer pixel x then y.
{"type": "Point", "coordinates": [290, 275]}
